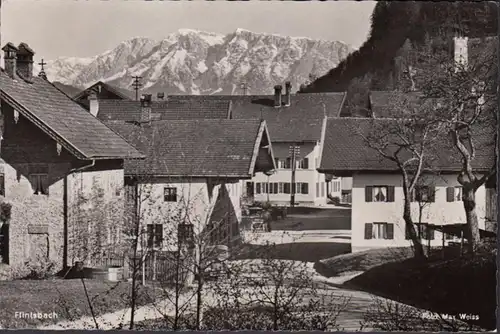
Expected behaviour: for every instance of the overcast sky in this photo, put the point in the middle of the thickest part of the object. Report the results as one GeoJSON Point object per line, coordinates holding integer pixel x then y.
{"type": "Point", "coordinates": [55, 28]}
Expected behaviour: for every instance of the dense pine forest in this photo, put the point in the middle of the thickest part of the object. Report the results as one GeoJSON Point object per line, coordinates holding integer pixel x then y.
{"type": "Point", "coordinates": [397, 27]}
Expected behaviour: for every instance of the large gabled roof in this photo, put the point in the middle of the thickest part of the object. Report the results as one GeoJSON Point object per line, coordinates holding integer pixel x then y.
{"type": "Point", "coordinates": [171, 109]}
{"type": "Point", "coordinates": [301, 121]}
{"type": "Point", "coordinates": [194, 148]}
{"type": "Point", "coordinates": [346, 150]}
{"type": "Point", "coordinates": [64, 120]}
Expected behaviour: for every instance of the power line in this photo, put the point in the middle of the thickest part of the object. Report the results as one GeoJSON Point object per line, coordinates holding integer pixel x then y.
{"type": "Point", "coordinates": [136, 85]}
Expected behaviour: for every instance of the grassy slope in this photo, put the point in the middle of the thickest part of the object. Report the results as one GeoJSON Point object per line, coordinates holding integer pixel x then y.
{"type": "Point", "coordinates": [456, 286]}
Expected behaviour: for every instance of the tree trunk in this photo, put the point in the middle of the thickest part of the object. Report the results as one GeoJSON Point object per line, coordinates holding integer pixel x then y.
{"type": "Point", "coordinates": [417, 244]}
{"type": "Point", "coordinates": [472, 229]}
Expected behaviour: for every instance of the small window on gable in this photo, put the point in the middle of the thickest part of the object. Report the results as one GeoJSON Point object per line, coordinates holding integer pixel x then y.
{"type": "Point", "coordinates": [170, 194]}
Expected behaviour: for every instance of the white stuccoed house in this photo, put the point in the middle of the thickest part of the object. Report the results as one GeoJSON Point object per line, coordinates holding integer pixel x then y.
{"type": "Point", "coordinates": [377, 193]}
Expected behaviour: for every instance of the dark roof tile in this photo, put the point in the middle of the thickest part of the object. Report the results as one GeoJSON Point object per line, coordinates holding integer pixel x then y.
{"type": "Point", "coordinates": [345, 149]}
{"type": "Point", "coordinates": [173, 109]}
{"type": "Point", "coordinates": [67, 121]}
{"type": "Point", "coordinates": [192, 147]}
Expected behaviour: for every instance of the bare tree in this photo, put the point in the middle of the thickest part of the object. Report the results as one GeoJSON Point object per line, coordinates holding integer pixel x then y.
{"type": "Point", "coordinates": [466, 89]}
{"type": "Point", "coordinates": [273, 294]}
{"type": "Point", "coordinates": [405, 139]}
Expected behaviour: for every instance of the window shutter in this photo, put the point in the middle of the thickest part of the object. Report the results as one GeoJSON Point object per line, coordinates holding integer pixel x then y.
{"type": "Point", "coordinates": [430, 233]}
{"type": "Point", "coordinates": [275, 187]}
{"type": "Point", "coordinates": [390, 231]}
{"type": "Point", "coordinates": [305, 188]}
{"type": "Point", "coordinates": [294, 188]}
{"type": "Point", "coordinates": [431, 194]}
{"type": "Point", "coordinates": [317, 189]}
{"type": "Point", "coordinates": [305, 163]}
{"type": "Point", "coordinates": [450, 194]}
{"type": "Point", "coordinates": [150, 232]}
{"type": "Point", "coordinates": [368, 230]}
{"type": "Point", "coordinates": [288, 163]}
{"type": "Point", "coordinates": [287, 188]}
{"type": "Point", "coordinates": [368, 194]}
{"type": "Point", "coordinates": [390, 194]}
{"type": "Point", "coordinates": [257, 187]}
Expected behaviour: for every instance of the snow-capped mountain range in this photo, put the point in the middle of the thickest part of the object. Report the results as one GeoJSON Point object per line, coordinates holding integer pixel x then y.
{"type": "Point", "coordinates": [196, 62]}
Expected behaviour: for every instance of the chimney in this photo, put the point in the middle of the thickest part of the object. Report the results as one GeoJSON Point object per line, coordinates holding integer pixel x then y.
{"type": "Point", "coordinates": [288, 92]}
{"type": "Point", "coordinates": [146, 108]}
{"type": "Point", "coordinates": [461, 52]}
{"type": "Point", "coordinates": [10, 59]}
{"type": "Point", "coordinates": [160, 96]}
{"type": "Point", "coordinates": [277, 96]}
{"type": "Point", "coordinates": [93, 103]}
{"type": "Point", "coordinates": [25, 62]}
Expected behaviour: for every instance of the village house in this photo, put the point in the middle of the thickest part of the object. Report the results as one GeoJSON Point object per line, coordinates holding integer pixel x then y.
{"type": "Point", "coordinates": [52, 151]}
{"type": "Point", "coordinates": [377, 193]}
{"type": "Point", "coordinates": [103, 91]}
{"type": "Point", "coordinates": [189, 184]}
{"type": "Point", "coordinates": [294, 120]}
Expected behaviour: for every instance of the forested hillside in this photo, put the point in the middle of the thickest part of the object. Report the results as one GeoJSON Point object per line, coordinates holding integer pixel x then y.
{"type": "Point", "coordinates": [399, 26]}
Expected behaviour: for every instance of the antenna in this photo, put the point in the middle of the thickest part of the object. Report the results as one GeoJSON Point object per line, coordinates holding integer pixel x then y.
{"type": "Point", "coordinates": [137, 84]}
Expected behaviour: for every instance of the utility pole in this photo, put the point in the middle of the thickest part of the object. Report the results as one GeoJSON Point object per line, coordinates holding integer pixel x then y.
{"type": "Point", "coordinates": [244, 87]}
{"type": "Point", "coordinates": [294, 151]}
{"type": "Point", "coordinates": [137, 84]}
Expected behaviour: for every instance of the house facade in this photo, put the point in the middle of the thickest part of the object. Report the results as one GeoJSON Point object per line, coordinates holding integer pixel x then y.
{"type": "Point", "coordinates": [294, 120]}
{"type": "Point", "coordinates": [103, 91]}
{"type": "Point", "coordinates": [51, 154]}
{"type": "Point", "coordinates": [377, 189]}
{"type": "Point", "coordinates": [189, 186]}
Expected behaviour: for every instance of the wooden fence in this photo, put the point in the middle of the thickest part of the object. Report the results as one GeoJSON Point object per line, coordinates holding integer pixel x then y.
{"type": "Point", "coordinates": [160, 266]}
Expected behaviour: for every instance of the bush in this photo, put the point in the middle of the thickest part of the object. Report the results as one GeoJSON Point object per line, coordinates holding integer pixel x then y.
{"type": "Point", "coordinates": [40, 270]}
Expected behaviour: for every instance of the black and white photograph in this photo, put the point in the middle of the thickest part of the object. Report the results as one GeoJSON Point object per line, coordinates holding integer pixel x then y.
{"type": "Point", "coordinates": [248, 165]}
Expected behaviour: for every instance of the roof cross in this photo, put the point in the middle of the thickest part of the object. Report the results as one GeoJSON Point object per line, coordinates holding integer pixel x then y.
{"type": "Point", "coordinates": [42, 63]}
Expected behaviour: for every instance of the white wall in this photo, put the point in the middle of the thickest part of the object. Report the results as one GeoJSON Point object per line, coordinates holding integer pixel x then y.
{"type": "Point", "coordinates": [193, 205]}
{"type": "Point", "coordinates": [439, 212]}
{"type": "Point", "coordinates": [310, 176]}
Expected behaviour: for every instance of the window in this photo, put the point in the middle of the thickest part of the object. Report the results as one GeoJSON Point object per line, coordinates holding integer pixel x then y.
{"type": "Point", "coordinates": [2, 184]}
{"type": "Point", "coordinates": [265, 188]}
{"type": "Point", "coordinates": [280, 188]}
{"type": "Point", "coordinates": [114, 233]}
{"type": "Point", "coordinates": [424, 194]}
{"type": "Point", "coordinates": [454, 194]}
{"type": "Point", "coordinates": [317, 189]}
{"type": "Point", "coordinates": [275, 187]}
{"type": "Point", "coordinates": [185, 232]}
{"type": "Point", "coordinates": [322, 189]}
{"type": "Point", "coordinates": [449, 236]}
{"type": "Point", "coordinates": [170, 194]}
{"type": "Point", "coordinates": [288, 163]}
{"type": "Point", "coordinates": [118, 191]}
{"type": "Point", "coordinates": [155, 235]}
{"type": "Point", "coordinates": [40, 183]}
{"type": "Point", "coordinates": [286, 188]}
{"type": "Point", "coordinates": [257, 188]}
{"type": "Point", "coordinates": [379, 231]}
{"type": "Point", "coordinates": [379, 194]}
{"type": "Point", "coordinates": [424, 231]}
{"type": "Point", "coordinates": [304, 163]}
{"type": "Point", "coordinates": [304, 188]}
